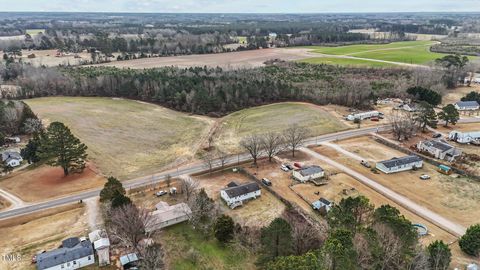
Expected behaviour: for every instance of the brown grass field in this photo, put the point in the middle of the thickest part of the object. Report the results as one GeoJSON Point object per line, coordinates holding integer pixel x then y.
{"type": "Point", "coordinates": [4, 203]}
{"type": "Point", "coordinates": [126, 138]}
{"type": "Point", "coordinates": [232, 60]}
{"type": "Point", "coordinates": [45, 182]}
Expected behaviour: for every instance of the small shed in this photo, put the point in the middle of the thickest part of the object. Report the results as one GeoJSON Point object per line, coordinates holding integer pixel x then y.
{"type": "Point", "coordinates": [129, 261]}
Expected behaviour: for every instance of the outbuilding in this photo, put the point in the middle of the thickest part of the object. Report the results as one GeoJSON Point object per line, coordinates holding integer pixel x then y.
{"type": "Point", "coordinates": [308, 173]}
{"type": "Point", "coordinates": [400, 164]}
{"type": "Point", "coordinates": [323, 205]}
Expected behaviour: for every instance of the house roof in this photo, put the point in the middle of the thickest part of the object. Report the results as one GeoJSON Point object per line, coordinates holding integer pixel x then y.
{"type": "Point", "coordinates": [72, 249]}
{"type": "Point", "coordinates": [442, 146]}
{"type": "Point", "coordinates": [467, 104]}
{"type": "Point", "coordinates": [325, 201]}
{"type": "Point", "coordinates": [310, 170]}
{"type": "Point", "coordinates": [232, 184]}
{"type": "Point", "coordinates": [321, 202]}
{"type": "Point", "coordinates": [167, 213]}
{"type": "Point", "coordinates": [233, 192]}
{"type": "Point", "coordinates": [101, 243]}
{"type": "Point", "coordinates": [131, 257]}
{"type": "Point", "coordinates": [11, 154]}
{"type": "Point", "coordinates": [395, 162]}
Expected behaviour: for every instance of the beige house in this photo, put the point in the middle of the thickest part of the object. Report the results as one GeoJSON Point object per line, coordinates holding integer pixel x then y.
{"type": "Point", "coordinates": [168, 215]}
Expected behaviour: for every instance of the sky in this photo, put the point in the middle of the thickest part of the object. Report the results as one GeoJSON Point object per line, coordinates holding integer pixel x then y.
{"type": "Point", "coordinates": [242, 6]}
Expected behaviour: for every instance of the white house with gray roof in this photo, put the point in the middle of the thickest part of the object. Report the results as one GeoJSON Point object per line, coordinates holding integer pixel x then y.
{"type": "Point", "coordinates": [308, 173]}
{"type": "Point", "coordinates": [439, 149]}
{"type": "Point", "coordinates": [467, 105]}
{"type": "Point", "coordinates": [12, 158]}
{"type": "Point", "coordinates": [73, 254]}
{"type": "Point", "coordinates": [237, 195]}
{"type": "Point", "coordinates": [400, 164]}
{"type": "Point", "coordinates": [464, 137]}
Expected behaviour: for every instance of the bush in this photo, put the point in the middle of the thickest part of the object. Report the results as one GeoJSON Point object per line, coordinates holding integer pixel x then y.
{"type": "Point", "coordinates": [470, 241]}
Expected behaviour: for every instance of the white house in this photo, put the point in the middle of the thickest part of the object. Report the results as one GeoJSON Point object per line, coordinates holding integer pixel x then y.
{"type": "Point", "coordinates": [73, 254]}
{"type": "Point", "coordinates": [236, 195]}
{"type": "Point", "coordinates": [12, 158]}
{"type": "Point", "coordinates": [467, 105]}
{"type": "Point", "coordinates": [439, 149]}
{"type": "Point", "coordinates": [322, 205]}
{"type": "Point", "coordinates": [168, 215]}
{"type": "Point", "coordinates": [308, 173]}
{"type": "Point", "coordinates": [400, 164]}
{"type": "Point", "coordinates": [464, 137]}
{"type": "Point", "coordinates": [363, 115]}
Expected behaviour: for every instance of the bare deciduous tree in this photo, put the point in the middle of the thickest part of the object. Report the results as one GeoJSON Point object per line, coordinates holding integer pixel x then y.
{"type": "Point", "coordinates": [32, 126]}
{"type": "Point", "coordinates": [208, 160]}
{"type": "Point", "coordinates": [307, 234]}
{"type": "Point", "coordinates": [222, 157]}
{"type": "Point", "coordinates": [403, 124]}
{"type": "Point", "coordinates": [188, 187]}
{"type": "Point", "coordinates": [253, 144]}
{"type": "Point", "coordinates": [272, 143]}
{"type": "Point", "coordinates": [152, 257]}
{"type": "Point", "coordinates": [127, 224]}
{"type": "Point", "coordinates": [203, 212]}
{"type": "Point", "coordinates": [295, 137]}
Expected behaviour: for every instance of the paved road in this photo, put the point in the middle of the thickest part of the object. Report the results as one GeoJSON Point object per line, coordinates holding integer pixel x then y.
{"type": "Point", "coordinates": [415, 208]}
{"type": "Point", "coordinates": [155, 178]}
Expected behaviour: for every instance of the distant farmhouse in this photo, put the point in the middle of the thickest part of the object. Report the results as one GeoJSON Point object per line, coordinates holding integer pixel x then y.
{"type": "Point", "coordinates": [439, 149]}
{"type": "Point", "coordinates": [236, 195]}
{"type": "Point", "coordinates": [409, 107]}
{"type": "Point", "coordinates": [465, 137]}
{"type": "Point", "coordinates": [168, 215]}
{"type": "Point", "coordinates": [73, 254]}
{"type": "Point", "coordinates": [323, 205]}
{"type": "Point", "coordinates": [467, 105]}
{"type": "Point", "coordinates": [12, 158]}
{"type": "Point", "coordinates": [308, 173]}
{"type": "Point", "coordinates": [400, 164]}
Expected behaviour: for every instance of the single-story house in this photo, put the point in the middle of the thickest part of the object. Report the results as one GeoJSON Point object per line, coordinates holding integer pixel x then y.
{"type": "Point", "coordinates": [235, 196]}
{"type": "Point", "coordinates": [73, 254]}
{"type": "Point", "coordinates": [308, 173]}
{"type": "Point", "coordinates": [12, 158]}
{"type": "Point", "coordinates": [129, 261]}
{"type": "Point", "coordinates": [439, 149]}
{"type": "Point", "coordinates": [101, 244]}
{"type": "Point", "coordinates": [363, 115]}
{"type": "Point", "coordinates": [323, 205]}
{"type": "Point", "coordinates": [464, 137]}
{"type": "Point", "coordinates": [409, 107]}
{"type": "Point", "coordinates": [467, 105]}
{"type": "Point", "coordinates": [168, 215]}
{"type": "Point", "coordinates": [400, 164]}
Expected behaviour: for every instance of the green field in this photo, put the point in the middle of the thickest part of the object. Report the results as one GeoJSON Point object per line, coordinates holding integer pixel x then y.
{"type": "Point", "coordinates": [274, 117]}
{"type": "Point", "coordinates": [242, 39]}
{"type": "Point", "coordinates": [35, 31]}
{"type": "Point", "coordinates": [126, 138]}
{"type": "Point", "coordinates": [345, 62]}
{"type": "Point", "coordinates": [187, 249]}
{"type": "Point", "coordinates": [409, 52]}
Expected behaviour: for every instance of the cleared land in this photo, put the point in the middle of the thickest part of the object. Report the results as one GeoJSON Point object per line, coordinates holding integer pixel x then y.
{"type": "Point", "coordinates": [345, 62]}
{"type": "Point", "coordinates": [26, 235]}
{"type": "Point", "coordinates": [45, 182]}
{"type": "Point", "coordinates": [455, 198]}
{"type": "Point", "coordinates": [355, 49]}
{"type": "Point", "coordinates": [232, 60]}
{"type": "Point", "coordinates": [274, 117]}
{"type": "Point", "coordinates": [126, 138]}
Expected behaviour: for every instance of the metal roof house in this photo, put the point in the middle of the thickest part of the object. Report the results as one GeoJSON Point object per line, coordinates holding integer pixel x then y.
{"type": "Point", "coordinates": [235, 196]}
{"type": "Point", "coordinates": [467, 105]}
{"type": "Point", "coordinates": [129, 261]}
{"type": "Point", "coordinates": [439, 149]}
{"type": "Point", "coordinates": [168, 215]}
{"type": "Point", "coordinates": [73, 254]}
{"type": "Point", "coordinates": [464, 137]}
{"type": "Point", "coordinates": [12, 158]}
{"type": "Point", "coordinates": [363, 115]}
{"type": "Point", "coordinates": [322, 205]}
{"type": "Point", "coordinates": [400, 164]}
{"type": "Point", "coordinates": [308, 173]}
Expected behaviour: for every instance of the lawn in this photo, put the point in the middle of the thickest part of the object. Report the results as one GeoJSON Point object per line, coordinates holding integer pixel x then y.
{"type": "Point", "coordinates": [187, 249]}
{"type": "Point", "coordinates": [35, 31]}
{"type": "Point", "coordinates": [274, 117]}
{"type": "Point", "coordinates": [345, 62]}
{"type": "Point", "coordinates": [126, 138]}
{"type": "Point", "coordinates": [350, 49]}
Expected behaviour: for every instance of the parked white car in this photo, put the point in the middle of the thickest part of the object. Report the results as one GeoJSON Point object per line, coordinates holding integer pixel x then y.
{"type": "Point", "coordinates": [425, 177]}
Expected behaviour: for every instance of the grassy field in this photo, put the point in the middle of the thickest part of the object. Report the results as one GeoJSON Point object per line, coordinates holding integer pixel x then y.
{"type": "Point", "coordinates": [274, 117]}
{"type": "Point", "coordinates": [410, 52]}
{"type": "Point", "coordinates": [187, 249]}
{"type": "Point", "coordinates": [345, 62]}
{"type": "Point", "coordinates": [35, 31]}
{"type": "Point", "coordinates": [126, 138]}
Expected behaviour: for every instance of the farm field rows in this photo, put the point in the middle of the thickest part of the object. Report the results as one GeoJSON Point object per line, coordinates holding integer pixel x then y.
{"type": "Point", "coordinates": [274, 117]}
{"type": "Point", "coordinates": [126, 138]}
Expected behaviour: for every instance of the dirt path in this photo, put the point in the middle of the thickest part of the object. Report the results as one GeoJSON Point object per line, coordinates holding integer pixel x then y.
{"type": "Point", "coordinates": [94, 217]}
{"type": "Point", "coordinates": [14, 200]}
{"type": "Point", "coordinates": [440, 221]}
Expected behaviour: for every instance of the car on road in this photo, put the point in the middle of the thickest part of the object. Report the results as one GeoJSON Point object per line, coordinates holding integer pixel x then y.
{"type": "Point", "coordinates": [425, 177]}
{"type": "Point", "coordinates": [365, 164]}
{"type": "Point", "coordinates": [266, 182]}
{"type": "Point", "coordinates": [437, 135]}
{"type": "Point", "coordinates": [161, 193]}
